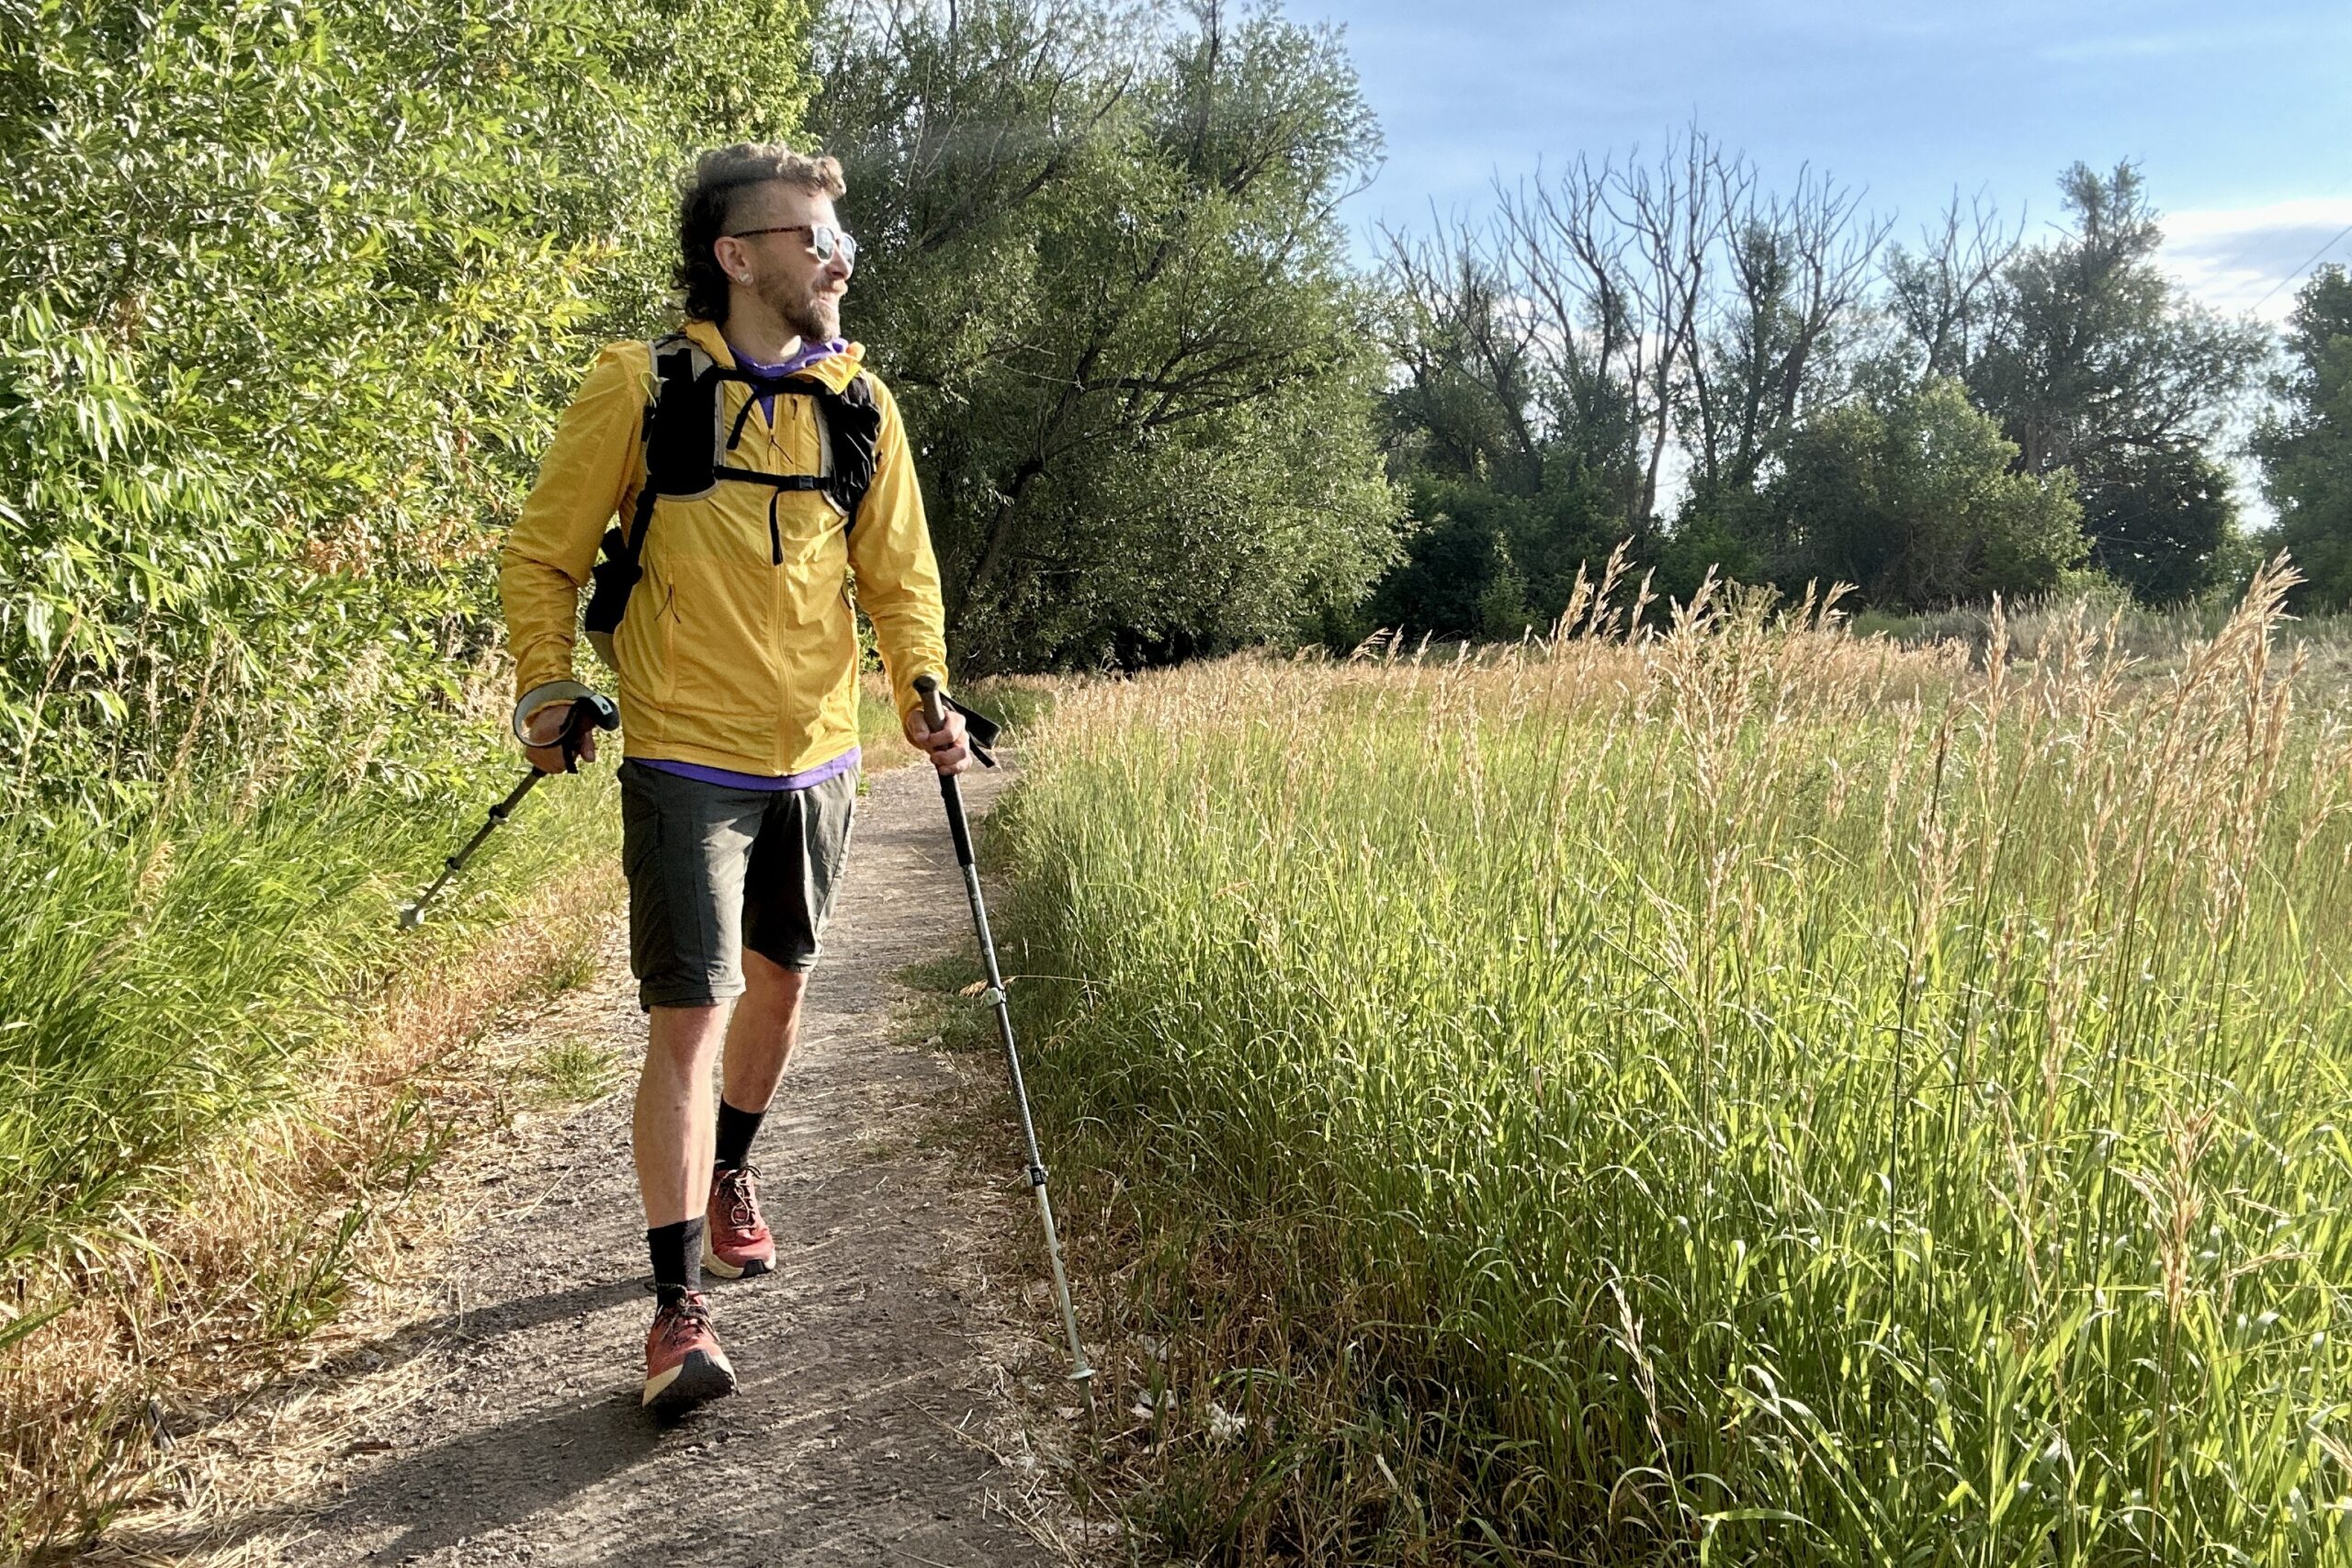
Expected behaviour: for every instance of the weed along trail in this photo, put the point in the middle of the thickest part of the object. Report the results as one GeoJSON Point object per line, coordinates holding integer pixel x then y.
{"type": "Point", "coordinates": [875, 1422]}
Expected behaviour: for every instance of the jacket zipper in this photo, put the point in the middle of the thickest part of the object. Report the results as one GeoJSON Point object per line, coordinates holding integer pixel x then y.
{"type": "Point", "coordinates": [775, 537]}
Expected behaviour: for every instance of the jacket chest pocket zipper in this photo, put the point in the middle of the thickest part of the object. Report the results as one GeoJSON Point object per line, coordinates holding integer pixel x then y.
{"type": "Point", "coordinates": [775, 534]}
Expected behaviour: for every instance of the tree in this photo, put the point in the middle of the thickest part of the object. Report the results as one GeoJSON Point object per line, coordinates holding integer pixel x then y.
{"type": "Point", "coordinates": [1625, 324]}
{"type": "Point", "coordinates": [2095, 366]}
{"type": "Point", "coordinates": [1458, 579]}
{"type": "Point", "coordinates": [1483, 562]}
{"type": "Point", "coordinates": [1946, 296]}
{"type": "Point", "coordinates": [1476, 386]}
{"type": "Point", "coordinates": [1105, 278]}
{"type": "Point", "coordinates": [1916, 504]}
{"type": "Point", "coordinates": [1680, 301]}
{"type": "Point", "coordinates": [2096, 357]}
{"type": "Point", "coordinates": [1797, 270]}
{"type": "Point", "coordinates": [2306, 446]}
{"type": "Point", "coordinates": [2161, 521]}
{"type": "Point", "coordinates": [1515, 460]}
{"type": "Point", "coordinates": [1608, 319]}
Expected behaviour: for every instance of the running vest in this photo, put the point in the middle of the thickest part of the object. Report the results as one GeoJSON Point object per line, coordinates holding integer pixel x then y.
{"type": "Point", "coordinates": [687, 440]}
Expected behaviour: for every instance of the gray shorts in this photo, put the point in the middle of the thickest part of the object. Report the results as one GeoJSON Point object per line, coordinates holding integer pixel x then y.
{"type": "Point", "coordinates": [712, 870]}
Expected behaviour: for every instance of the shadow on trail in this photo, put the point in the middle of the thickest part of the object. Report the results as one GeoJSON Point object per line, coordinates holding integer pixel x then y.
{"type": "Point", "coordinates": [500, 1476]}
{"type": "Point", "coordinates": [496, 1319]}
{"type": "Point", "coordinates": [374, 1358]}
{"type": "Point", "coordinates": [512, 1469]}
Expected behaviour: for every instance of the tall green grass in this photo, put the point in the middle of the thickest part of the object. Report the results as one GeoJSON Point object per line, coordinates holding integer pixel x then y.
{"type": "Point", "coordinates": [162, 981]}
{"type": "Point", "coordinates": [1745, 1095]}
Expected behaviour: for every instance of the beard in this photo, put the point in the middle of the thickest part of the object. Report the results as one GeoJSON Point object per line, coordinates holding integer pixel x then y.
{"type": "Point", "coordinates": [815, 314]}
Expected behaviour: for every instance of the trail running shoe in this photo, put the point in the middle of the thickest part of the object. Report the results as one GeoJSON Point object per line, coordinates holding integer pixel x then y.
{"type": "Point", "coordinates": [683, 1365]}
{"type": "Point", "coordinates": [735, 1240]}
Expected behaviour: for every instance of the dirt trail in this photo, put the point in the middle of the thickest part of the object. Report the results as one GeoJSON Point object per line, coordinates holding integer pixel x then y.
{"type": "Point", "coordinates": [876, 1422]}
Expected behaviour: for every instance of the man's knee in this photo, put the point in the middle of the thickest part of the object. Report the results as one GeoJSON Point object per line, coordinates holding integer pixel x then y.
{"type": "Point", "coordinates": [775, 984]}
{"type": "Point", "coordinates": [680, 1037]}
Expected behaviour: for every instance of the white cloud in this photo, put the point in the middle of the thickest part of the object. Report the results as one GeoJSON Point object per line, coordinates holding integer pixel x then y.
{"type": "Point", "coordinates": [2252, 258]}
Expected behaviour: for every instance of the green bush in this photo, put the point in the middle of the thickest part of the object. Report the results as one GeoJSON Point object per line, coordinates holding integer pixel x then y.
{"type": "Point", "coordinates": [294, 297]}
{"type": "Point", "coordinates": [162, 983]}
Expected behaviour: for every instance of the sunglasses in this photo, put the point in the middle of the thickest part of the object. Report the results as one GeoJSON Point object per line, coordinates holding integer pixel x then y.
{"type": "Point", "coordinates": [823, 239]}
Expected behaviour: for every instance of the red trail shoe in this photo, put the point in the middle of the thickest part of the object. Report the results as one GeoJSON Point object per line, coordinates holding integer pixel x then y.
{"type": "Point", "coordinates": [683, 1365]}
{"type": "Point", "coordinates": [735, 1240]}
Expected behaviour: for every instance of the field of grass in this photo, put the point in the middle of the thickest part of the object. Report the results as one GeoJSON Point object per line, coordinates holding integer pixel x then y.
{"type": "Point", "coordinates": [1748, 1094]}
{"type": "Point", "coordinates": [2153, 638]}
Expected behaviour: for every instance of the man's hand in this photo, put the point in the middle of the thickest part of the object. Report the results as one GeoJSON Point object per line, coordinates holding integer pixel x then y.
{"type": "Point", "coordinates": [545, 726]}
{"type": "Point", "coordinates": [946, 744]}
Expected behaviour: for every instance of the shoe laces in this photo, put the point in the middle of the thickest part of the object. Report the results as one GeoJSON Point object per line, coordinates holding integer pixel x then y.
{"type": "Point", "coordinates": [685, 1318]}
{"type": "Point", "coordinates": [741, 1186]}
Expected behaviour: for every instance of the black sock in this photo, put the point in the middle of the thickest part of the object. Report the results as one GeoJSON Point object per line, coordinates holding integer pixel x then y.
{"type": "Point", "coordinates": [677, 1260]}
{"type": "Point", "coordinates": [736, 1131]}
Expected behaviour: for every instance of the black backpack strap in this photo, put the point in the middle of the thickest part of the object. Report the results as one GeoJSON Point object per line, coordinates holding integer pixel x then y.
{"type": "Point", "coordinates": [853, 437]}
{"type": "Point", "coordinates": [853, 430]}
{"type": "Point", "coordinates": [685, 400]}
{"type": "Point", "coordinates": [681, 432]}
{"type": "Point", "coordinates": [777, 481]}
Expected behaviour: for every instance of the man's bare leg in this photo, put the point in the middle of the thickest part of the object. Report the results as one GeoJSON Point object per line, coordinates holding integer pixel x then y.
{"type": "Point", "coordinates": [671, 1126]}
{"type": "Point", "coordinates": [670, 1129]}
{"type": "Point", "coordinates": [671, 1133]}
{"type": "Point", "coordinates": [761, 1035]}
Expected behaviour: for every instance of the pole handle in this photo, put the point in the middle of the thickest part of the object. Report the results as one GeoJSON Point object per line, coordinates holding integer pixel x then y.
{"type": "Point", "coordinates": [591, 712]}
{"type": "Point", "coordinates": [934, 716]}
{"type": "Point", "coordinates": [935, 712]}
{"type": "Point", "coordinates": [980, 730]}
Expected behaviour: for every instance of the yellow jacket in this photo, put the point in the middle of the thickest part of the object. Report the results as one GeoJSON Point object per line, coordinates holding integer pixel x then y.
{"type": "Point", "coordinates": [725, 657]}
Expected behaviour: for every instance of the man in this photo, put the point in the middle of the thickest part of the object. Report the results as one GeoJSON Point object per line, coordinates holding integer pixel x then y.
{"type": "Point", "coordinates": [738, 663]}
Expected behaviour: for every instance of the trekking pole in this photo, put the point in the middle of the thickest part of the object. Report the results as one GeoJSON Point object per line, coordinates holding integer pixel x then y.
{"type": "Point", "coordinates": [934, 716]}
{"type": "Point", "coordinates": [588, 711]}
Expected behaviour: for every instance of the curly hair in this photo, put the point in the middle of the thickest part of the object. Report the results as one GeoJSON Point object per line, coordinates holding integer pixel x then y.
{"type": "Point", "coordinates": [706, 208]}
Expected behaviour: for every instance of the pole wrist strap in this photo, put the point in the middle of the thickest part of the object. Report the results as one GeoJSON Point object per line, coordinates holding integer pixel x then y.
{"type": "Point", "coordinates": [546, 695]}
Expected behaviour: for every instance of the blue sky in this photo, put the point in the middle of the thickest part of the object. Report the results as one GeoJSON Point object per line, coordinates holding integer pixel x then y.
{"type": "Point", "coordinates": [2240, 116]}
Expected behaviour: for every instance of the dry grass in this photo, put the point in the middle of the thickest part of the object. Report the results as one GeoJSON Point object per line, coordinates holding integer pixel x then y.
{"type": "Point", "coordinates": [2154, 639]}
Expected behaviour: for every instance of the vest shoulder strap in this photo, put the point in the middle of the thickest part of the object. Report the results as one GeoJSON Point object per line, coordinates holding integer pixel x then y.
{"type": "Point", "coordinates": [682, 420]}
{"type": "Point", "coordinates": [853, 425]}
{"type": "Point", "coordinates": [687, 439]}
